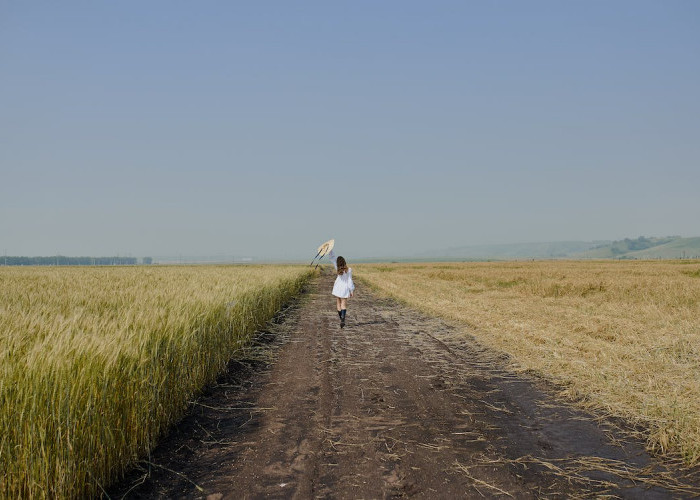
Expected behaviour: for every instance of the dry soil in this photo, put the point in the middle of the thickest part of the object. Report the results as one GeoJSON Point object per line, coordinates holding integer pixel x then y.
{"type": "Point", "coordinates": [396, 404]}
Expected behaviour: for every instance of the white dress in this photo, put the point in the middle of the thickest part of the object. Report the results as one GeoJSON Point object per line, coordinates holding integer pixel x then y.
{"type": "Point", "coordinates": [343, 283]}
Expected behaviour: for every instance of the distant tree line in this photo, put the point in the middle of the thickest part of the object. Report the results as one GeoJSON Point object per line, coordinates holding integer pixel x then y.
{"type": "Point", "coordinates": [641, 243]}
{"type": "Point", "coordinates": [60, 260]}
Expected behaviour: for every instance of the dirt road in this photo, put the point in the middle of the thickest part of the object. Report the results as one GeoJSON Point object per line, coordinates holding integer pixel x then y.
{"type": "Point", "coordinates": [394, 405]}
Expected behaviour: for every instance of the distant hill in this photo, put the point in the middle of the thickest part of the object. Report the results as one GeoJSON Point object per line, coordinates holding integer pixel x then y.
{"type": "Point", "coordinates": [670, 247]}
{"type": "Point", "coordinates": [679, 248]}
{"type": "Point", "coordinates": [620, 248]}
{"type": "Point", "coordinates": [546, 250]}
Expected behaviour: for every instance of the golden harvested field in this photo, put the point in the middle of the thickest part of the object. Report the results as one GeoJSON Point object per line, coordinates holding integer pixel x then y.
{"type": "Point", "coordinates": [622, 337]}
{"type": "Point", "coordinates": [96, 363]}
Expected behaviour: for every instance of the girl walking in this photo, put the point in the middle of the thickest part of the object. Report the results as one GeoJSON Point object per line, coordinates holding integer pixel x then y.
{"type": "Point", "coordinates": [343, 286]}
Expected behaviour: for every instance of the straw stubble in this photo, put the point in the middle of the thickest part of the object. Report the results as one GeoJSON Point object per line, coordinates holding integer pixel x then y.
{"type": "Point", "coordinates": [621, 337]}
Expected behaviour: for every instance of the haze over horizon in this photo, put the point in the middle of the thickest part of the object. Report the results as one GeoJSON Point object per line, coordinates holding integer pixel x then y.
{"type": "Point", "coordinates": [170, 128]}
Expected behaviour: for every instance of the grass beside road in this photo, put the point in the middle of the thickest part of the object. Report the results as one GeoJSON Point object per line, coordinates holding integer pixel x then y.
{"type": "Point", "coordinates": [97, 363]}
{"type": "Point", "coordinates": [622, 337]}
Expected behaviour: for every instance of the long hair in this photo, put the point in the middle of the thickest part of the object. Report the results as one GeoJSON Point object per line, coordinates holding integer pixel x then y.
{"type": "Point", "coordinates": [342, 265]}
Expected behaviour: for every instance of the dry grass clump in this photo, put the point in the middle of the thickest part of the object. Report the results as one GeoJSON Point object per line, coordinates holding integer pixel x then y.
{"type": "Point", "coordinates": [624, 337]}
{"type": "Point", "coordinates": [96, 363]}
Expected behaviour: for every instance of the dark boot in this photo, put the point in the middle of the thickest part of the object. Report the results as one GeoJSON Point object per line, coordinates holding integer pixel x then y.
{"type": "Point", "coordinates": [342, 317]}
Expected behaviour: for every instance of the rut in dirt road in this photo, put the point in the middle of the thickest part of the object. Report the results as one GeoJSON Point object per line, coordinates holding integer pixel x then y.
{"type": "Point", "coordinates": [394, 405]}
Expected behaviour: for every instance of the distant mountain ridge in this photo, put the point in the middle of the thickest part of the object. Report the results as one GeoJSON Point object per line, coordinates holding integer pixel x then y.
{"type": "Point", "coordinates": [670, 247]}
{"type": "Point", "coordinates": [550, 249]}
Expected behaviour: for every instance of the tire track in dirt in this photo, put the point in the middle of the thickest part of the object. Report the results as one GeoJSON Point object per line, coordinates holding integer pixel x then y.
{"type": "Point", "coordinates": [395, 405]}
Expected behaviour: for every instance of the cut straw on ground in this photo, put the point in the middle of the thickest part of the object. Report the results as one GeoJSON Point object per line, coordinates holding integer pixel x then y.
{"type": "Point", "coordinates": [622, 338]}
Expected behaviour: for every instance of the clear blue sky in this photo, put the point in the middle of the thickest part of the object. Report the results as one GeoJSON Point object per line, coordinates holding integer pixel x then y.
{"type": "Point", "coordinates": [264, 128]}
